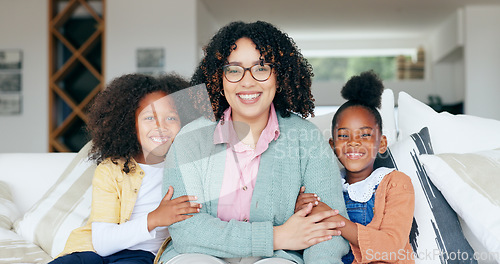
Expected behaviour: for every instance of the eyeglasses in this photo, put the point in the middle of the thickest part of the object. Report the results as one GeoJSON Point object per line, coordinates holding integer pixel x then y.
{"type": "Point", "coordinates": [260, 72]}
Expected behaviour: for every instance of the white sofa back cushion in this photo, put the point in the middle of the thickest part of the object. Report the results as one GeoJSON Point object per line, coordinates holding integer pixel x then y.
{"type": "Point", "coordinates": [28, 176]}
{"type": "Point", "coordinates": [449, 133]}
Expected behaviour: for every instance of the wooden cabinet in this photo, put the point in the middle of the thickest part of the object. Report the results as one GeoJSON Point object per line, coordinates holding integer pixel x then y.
{"type": "Point", "coordinates": [76, 68]}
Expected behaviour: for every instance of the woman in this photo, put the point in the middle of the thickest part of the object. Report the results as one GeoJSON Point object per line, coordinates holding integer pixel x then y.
{"type": "Point", "coordinates": [247, 168]}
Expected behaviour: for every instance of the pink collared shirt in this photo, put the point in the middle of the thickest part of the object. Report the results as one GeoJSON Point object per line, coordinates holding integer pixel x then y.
{"type": "Point", "coordinates": [242, 165]}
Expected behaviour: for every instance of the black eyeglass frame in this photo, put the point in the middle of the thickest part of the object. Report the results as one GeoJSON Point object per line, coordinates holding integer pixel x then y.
{"type": "Point", "coordinates": [249, 69]}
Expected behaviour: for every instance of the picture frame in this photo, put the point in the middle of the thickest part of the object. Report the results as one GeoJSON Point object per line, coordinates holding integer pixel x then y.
{"type": "Point", "coordinates": [11, 62]}
{"type": "Point", "coordinates": [150, 60]}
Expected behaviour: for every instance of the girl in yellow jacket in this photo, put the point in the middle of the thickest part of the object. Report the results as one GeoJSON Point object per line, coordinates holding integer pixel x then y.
{"type": "Point", "coordinates": [132, 124]}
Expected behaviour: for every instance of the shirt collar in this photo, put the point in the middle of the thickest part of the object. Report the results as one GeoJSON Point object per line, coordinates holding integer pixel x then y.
{"type": "Point", "coordinates": [363, 190]}
{"type": "Point", "coordinates": [224, 131]}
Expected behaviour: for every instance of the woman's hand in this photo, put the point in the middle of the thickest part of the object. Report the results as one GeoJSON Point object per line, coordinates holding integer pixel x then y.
{"type": "Point", "coordinates": [349, 229]}
{"type": "Point", "coordinates": [301, 231]}
{"type": "Point", "coordinates": [305, 198]}
{"type": "Point", "coordinates": [172, 211]}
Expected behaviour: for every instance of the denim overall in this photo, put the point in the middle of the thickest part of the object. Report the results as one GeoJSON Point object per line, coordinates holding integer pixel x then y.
{"type": "Point", "coordinates": [358, 212]}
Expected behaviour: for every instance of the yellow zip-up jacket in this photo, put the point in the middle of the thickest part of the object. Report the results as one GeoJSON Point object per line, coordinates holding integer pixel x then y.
{"type": "Point", "coordinates": [114, 194]}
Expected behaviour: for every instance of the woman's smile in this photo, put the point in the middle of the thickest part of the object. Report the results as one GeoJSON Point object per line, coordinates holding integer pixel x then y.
{"type": "Point", "coordinates": [249, 97]}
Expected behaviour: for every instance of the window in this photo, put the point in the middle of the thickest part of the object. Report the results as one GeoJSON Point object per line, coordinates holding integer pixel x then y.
{"type": "Point", "coordinates": [340, 65]}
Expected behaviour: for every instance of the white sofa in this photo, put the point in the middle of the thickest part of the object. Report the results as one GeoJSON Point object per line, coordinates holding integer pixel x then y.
{"type": "Point", "coordinates": [29, 176]}
{"type": "Point", "coordinates": [51, 192]}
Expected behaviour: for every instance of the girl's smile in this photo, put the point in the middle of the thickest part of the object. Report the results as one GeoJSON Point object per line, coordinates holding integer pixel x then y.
{"type": "Point", "coordinates": [355, 155]}
{"type": "Point", "coordinates": [357, 140]}
{"type": "Point", "coordinates": [157, 123]}
{"type": "Point", "coordinates": [160, 140]}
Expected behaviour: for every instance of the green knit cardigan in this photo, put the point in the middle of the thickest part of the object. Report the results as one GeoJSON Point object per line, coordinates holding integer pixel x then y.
{"type": "Point", "coordinates": [299, 157]}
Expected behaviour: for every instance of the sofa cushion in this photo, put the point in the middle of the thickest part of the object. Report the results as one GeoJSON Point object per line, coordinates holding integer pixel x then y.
{"type": "Point", "coordinates": [450, 133]}
{"type": "Point", "coordinates": [64, 207]}
{"type": "Point", "coordinates": [8, 210]}
{"type": "Point", "coordinates": [14, 249]}
{"type": "Point", "coordinates": [470, 183]}
{"type": "Point", "coordinates": [436, 232]}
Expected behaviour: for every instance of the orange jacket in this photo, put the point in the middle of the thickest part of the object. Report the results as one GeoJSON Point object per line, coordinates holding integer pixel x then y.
{"type": "Point", "coordinates": [386, 237]}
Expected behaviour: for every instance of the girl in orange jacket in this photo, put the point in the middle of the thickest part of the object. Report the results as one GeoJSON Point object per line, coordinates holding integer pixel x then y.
{"type": "Point", "coordinates": [379, 202]}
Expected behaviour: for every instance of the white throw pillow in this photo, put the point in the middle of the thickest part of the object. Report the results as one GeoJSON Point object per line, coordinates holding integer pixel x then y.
{"type": "Point", "coordinates": [8, 210]}
{"type": "Point", "coordinates": [471, 183]}
{"type": "Point", "coordinates": [324, 122]}
{"type": "Point", "coordinates": [436, 233]}
{"type": "Point", "coordinates": [450, 133]}
{"type": "Point", "coordinates": [64, 207]}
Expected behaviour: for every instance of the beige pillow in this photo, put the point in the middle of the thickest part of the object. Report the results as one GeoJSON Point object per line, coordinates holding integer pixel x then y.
{"type": "Point", "coordinates": [470, 183]}
{"type": "Point", "coordinates": [64, 207]}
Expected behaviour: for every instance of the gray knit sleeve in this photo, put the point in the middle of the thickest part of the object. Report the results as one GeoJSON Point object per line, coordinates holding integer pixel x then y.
{"type": "Point", "coordinates": [321, 176]}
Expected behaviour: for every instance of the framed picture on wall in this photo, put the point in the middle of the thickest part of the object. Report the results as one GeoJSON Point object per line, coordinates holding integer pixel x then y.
{"type": "Point", "coordinates": [10, 82]}
{"type": "Point", "coordinates": [10, 59]}
{"type": "Point", "coordinates": [10, 104]}
{"type": "Point", "coordinates": [151, 61]}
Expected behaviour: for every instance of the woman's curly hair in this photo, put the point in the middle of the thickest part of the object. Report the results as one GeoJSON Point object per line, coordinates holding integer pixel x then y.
{"type": "Point", "coordinates": [293, 72]}
{"type": "Point", "coordinates": [111, 119]}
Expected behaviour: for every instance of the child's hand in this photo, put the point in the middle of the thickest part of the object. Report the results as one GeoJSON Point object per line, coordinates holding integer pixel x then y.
{"type": "Point", "coordinates": [305, 198]}
{"type": "Point", "coordinates": [172, 211]}
{"type": "Point", "coordinates": [301, 231]}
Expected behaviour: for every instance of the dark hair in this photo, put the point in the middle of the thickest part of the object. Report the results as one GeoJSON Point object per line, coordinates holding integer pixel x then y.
{"type": "Point", "coordinates": [111, 119]}
{"type": "Point", "coordinates": [293, 72]}
{"type": "Point", "coordinates": [364, 90]}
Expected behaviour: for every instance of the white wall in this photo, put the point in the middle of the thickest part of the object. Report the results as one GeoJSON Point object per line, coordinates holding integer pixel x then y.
{"type": "Point", "coordinates": [132, 24]}
{"type": "Point", "coordinates": [482, 61]}
{"type": "Point", "coordinates": [448, 36]}
{"type": "Point", "coordinates": [448, 77]}
{"type": "Point", "coordinates": [447, 43]}
{"type": "Point", "coordinates": [207, 26]}
{"type": "Point", "coordinates": [23, 25]}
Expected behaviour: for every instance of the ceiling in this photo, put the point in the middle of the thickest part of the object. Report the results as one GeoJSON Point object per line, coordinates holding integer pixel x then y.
{"type": "Point", "coordinates": [330, 19]}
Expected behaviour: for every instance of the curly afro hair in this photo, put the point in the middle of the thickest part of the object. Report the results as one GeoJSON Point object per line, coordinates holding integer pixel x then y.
{"type": "Point", "coordinates": [363, 90]}
{"type": "Point", "coordinates": [111, 119]}
{"type": "Point", "coordinates": [293, 72]}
